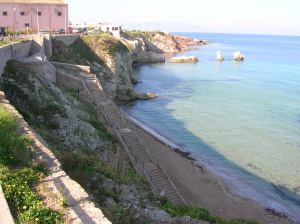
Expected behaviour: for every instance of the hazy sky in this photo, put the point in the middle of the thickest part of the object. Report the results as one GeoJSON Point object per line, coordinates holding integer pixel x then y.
{"type": "Point", "coordinates": [233, 16]}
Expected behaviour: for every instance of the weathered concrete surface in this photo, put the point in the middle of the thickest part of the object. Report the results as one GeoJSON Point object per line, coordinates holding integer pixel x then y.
{"type": "Point", "coordinates": [67, 39]}
{"type": "Point", "coordinates": [5, 215]}
{"type": "Point", "coordinates": [80, 208]}
{"type": "Point", "coordinates": [44, 68]}
{"type": "Point", "coordinates": [13, 51]}
{"type": "Point", "coordinates": [38, 47]}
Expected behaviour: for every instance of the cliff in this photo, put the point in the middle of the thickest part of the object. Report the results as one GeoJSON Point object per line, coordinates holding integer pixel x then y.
{"type": "Point", "coordinates": [149, 47]}
{"type": "Point", "coordinates": [109, 59]}
{"type": "Point", "coordinates": [112, 60]}
{"type": "Point", "coordinates": [81, 139]}
{"type": "Point", "coordinates": [88, 153]}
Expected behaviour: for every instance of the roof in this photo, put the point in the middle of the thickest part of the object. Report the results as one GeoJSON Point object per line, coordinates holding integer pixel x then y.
{"type": "Point", "coordinates": [34, 1]}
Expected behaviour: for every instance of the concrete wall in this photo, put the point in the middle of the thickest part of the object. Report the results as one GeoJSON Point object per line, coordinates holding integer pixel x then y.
{"type": "Point", "coordinates": [43, 68]}
{"type": "Point", "coordinates": [5, 216]}
{"type": "Point", "coordinates": [67, 39]}
{"type": "Point", "coordinates": [72, 77]}
{"type": "Point", "coordinates": [41, 45]}
{"type": "Point", "coordinates": [13, 51]}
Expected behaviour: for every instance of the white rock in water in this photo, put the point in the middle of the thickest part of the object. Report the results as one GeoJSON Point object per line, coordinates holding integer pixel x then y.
{"type": "Point", "coordinates": [237, 56]}
{"type": "Point", "coordinates": [184, 59]}
{"type": "Point", "coordinates": [220, 56]}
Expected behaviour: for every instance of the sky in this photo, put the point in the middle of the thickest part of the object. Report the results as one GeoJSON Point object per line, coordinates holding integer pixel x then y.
{"type": "Point", "coordinates": [217, 16]}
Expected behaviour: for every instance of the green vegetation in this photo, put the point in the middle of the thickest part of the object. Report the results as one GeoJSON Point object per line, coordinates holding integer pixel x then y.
{"type": "Point", "coordinates": [10, 41]}
{"type": "Point", "coordinates": [198, 213]}
{"type": "Point", "coordinates": [19, 174]}
{"type": "Point", "coordinates": [88, 48]}
{"type": "Point", "coordinates": [142, 34]}
{"type": "Point", "coordinates": [104, 42]}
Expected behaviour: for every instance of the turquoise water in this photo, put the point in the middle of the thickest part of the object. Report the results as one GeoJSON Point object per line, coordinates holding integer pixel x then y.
{"type": "Point", "coordinates": [241, 119]}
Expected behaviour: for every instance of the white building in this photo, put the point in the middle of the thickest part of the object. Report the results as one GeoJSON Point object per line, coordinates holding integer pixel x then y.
{"type": "Point", "coordinates": [115, 30]}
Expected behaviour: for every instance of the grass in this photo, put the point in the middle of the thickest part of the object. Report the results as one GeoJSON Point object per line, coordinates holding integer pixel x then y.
{"type": "Point", "coordinates": [142, 34]}
{"type": "Point", "coordinates": [199, 213]}
{"type": "Point", "coordinates": [11, 41]}
{"type": "Point", "coordinates": [104, 42]}
{"type": "Point", "coordinates": [19, 174]}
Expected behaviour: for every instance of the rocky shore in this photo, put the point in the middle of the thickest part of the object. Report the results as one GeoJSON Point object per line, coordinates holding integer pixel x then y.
{"type": "Point", "coordinates": [90, 154]}
{"type": "Point", "coordinates": [151, 47]}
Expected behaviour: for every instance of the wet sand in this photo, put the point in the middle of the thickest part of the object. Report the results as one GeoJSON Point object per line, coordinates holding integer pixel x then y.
{"type": "Point", "coordinates": [201, 187]}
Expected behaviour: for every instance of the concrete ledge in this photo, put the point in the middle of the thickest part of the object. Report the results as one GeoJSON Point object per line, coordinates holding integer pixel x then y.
{"type": "Point", "coordinates": [77, 68]}
{"type": "Point", "coordinates": [5, 215]}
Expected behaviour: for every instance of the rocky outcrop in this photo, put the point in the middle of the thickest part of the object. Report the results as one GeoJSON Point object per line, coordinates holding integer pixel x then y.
{"type": "Point", "coordinates": [185, 42]}
{"type": "Point", "coordinates": [108, 58]}
{"type": "Point", "coordinates": [153, 47]}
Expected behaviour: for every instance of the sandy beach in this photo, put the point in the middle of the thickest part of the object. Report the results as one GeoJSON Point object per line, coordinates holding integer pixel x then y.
{"type": "Point", "coordinates": [201, 187]}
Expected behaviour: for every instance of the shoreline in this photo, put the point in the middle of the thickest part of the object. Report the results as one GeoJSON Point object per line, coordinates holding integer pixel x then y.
{"type": "Point", "coordinates": [265, 214]}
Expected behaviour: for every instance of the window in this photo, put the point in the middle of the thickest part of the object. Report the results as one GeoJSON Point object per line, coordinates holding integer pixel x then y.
{"type": "Point", "coordinates": [4, 13]}
{"type": "Point", "coordinates": [40, 13]}
{"type": "Point", "coordinates": [59, 13]}
{"type": "Point", "coordinates": [22, 13]}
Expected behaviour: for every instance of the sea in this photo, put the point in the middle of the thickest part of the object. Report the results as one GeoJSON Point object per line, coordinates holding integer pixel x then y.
{"type": "Point", "coordinates": [239, 119]}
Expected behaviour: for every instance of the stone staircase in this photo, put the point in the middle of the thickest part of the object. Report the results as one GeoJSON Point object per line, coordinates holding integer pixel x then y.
{"type": "Point", "coordinates": [141, 160]}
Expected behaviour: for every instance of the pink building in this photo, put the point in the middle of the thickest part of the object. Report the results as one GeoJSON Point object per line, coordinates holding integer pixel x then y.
{"type": "Point", "coordinates": [43, 15]}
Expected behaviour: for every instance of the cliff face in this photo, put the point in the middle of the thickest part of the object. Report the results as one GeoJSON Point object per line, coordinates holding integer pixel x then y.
{"type": "Point", "coordinates": [112, 60]}
{"type": "Point", "coordinates": [159, 42]}
{"type": "Point", "coordinates": [87, 152]}
{"type": "Point", "coordinates": [109, 59]}
{"type": "Point", "coordinates": [151, 47]}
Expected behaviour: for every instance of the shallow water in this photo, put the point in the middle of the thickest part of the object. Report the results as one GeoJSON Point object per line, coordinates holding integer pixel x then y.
{"type": "Point", "coordinates": [240, 119]}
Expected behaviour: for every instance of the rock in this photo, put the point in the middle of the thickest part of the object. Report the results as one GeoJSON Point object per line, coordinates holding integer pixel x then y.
{"type": "Point", "coordinates": [220, 56]}
{"type": "Point", "coordinates": [155, 214]}
{"type": "Point", "coordinates": [108, 184]}
{"type": "Point", "coordinates": [144, 96]}
{"type": "Point", "coordinates": [182, 220]}
{"type": "Point", "coordinates": [129, 194]}
{"type": "Point", "coordinates": [184, 59]}
{"type": "Point", "coordinates": [110, 203]}
{"type": "Point", "coordinates": [237, 56]}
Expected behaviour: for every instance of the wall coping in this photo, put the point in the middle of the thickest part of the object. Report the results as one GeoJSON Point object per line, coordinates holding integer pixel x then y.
{"type": "Point", "coordinates": [5, 216]}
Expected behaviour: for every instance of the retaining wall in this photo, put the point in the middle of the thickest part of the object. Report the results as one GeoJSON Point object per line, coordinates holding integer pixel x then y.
{"type": "Point", "coordinates": [13, 51]}
{"type": "Point", "coordinates": [67, 39]}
